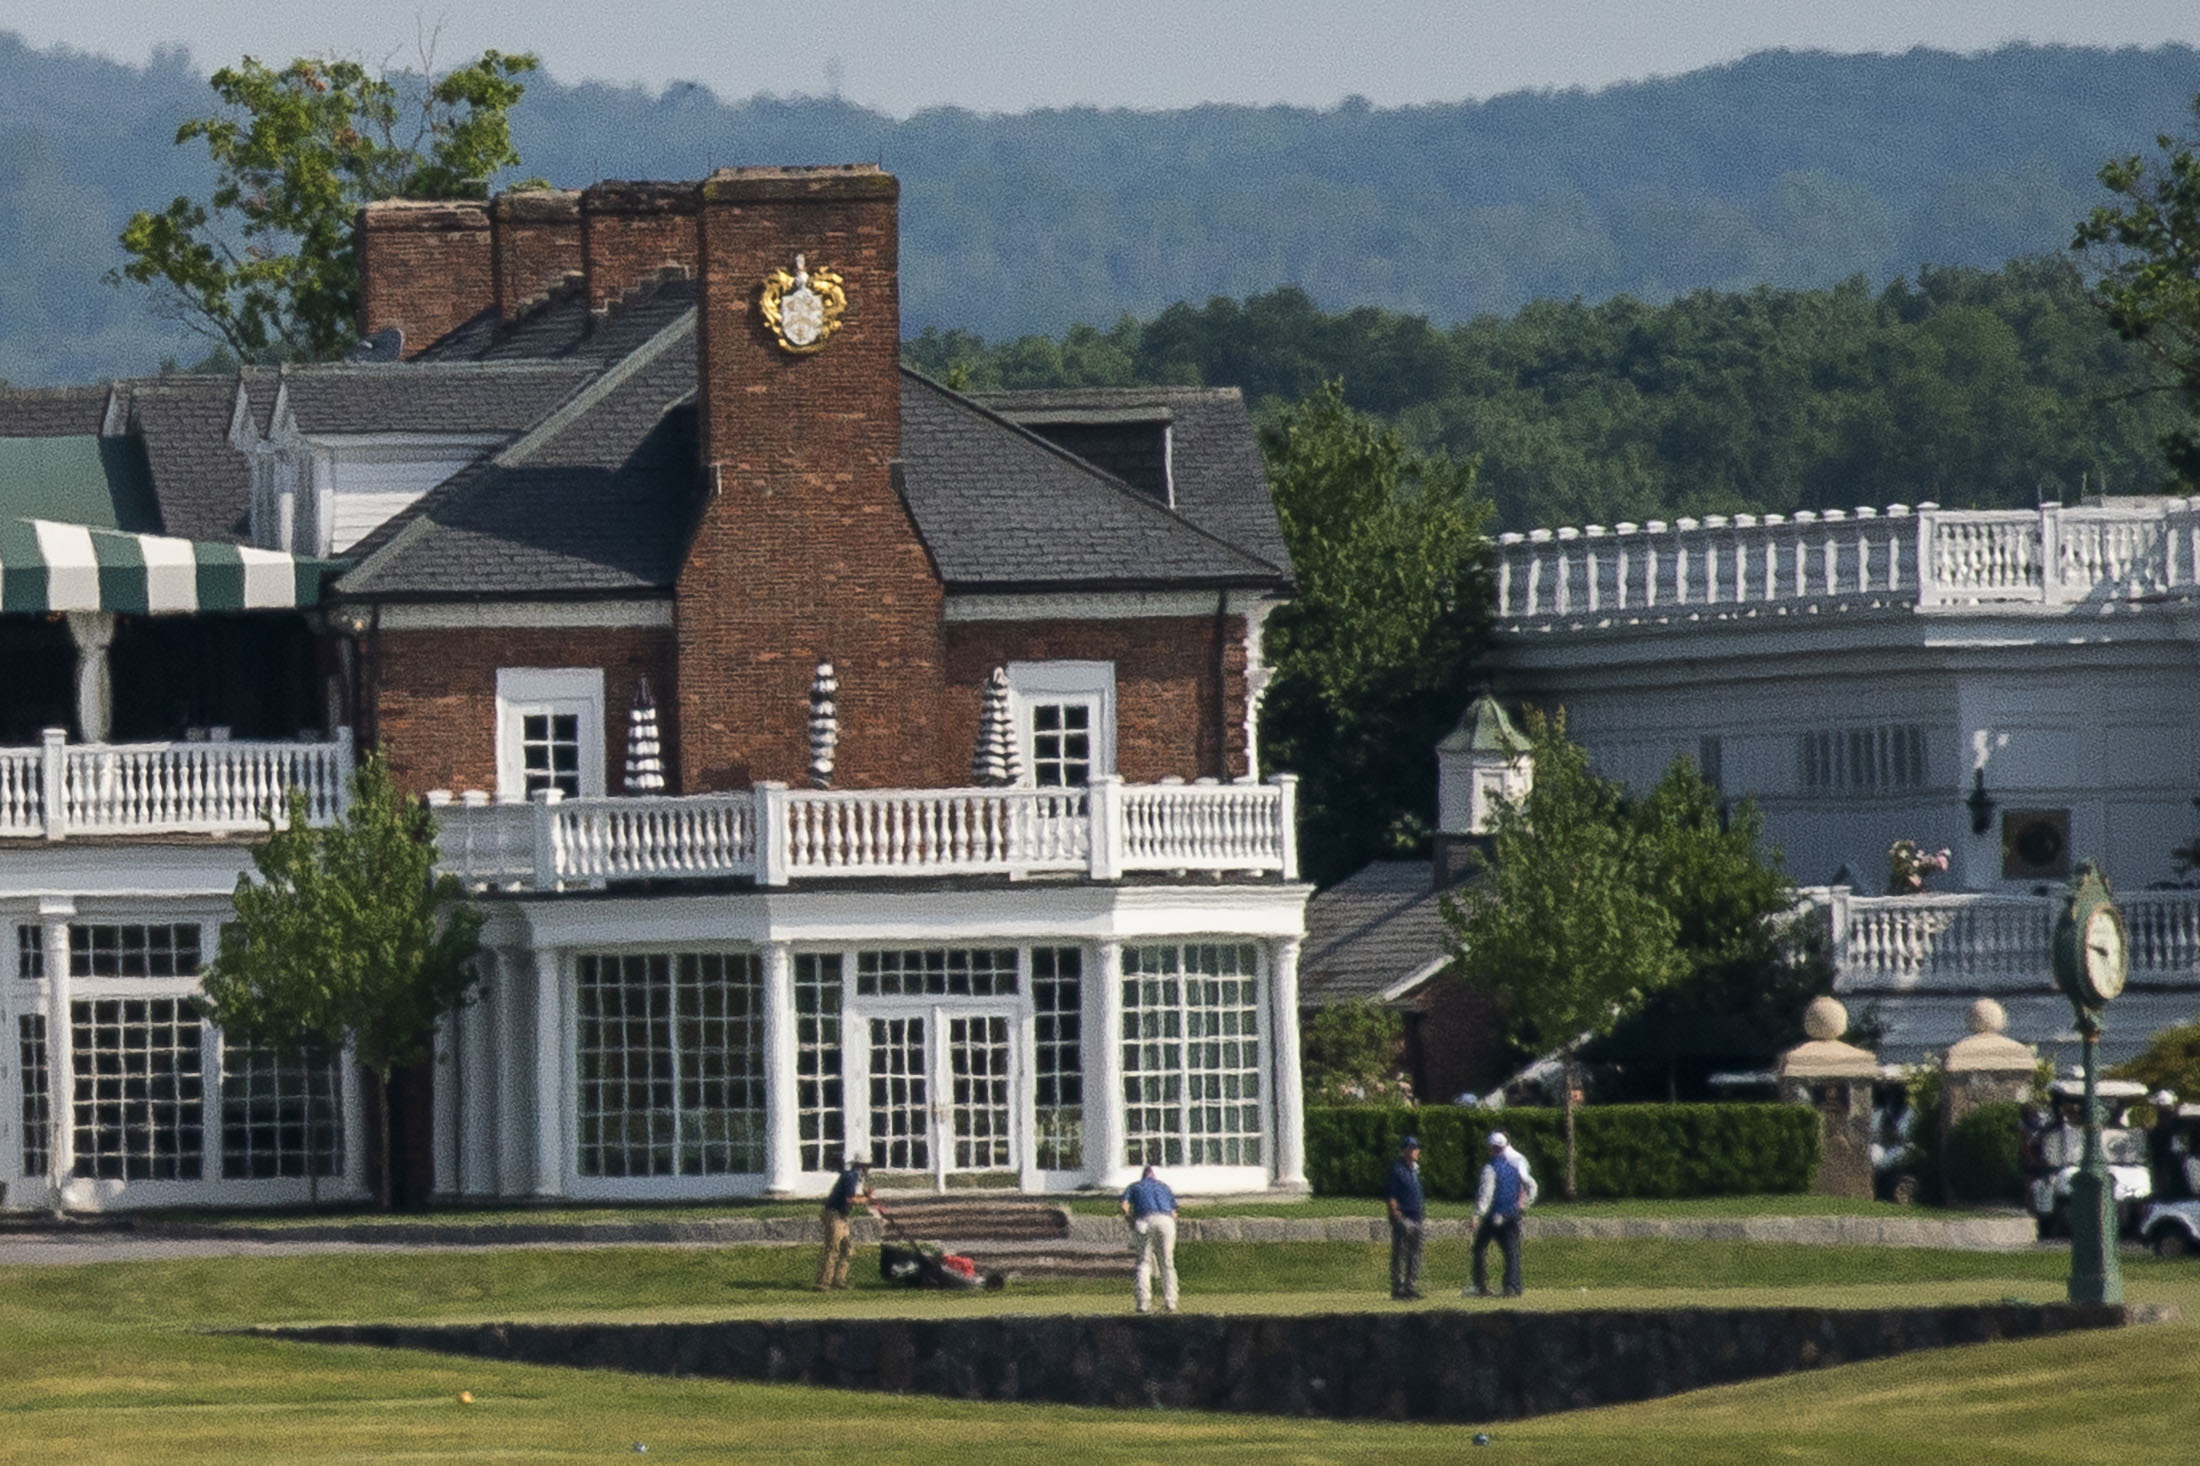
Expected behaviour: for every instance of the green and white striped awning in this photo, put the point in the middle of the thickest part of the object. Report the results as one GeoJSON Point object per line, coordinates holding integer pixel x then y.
{"type": "Point", "coordinates": [46, 565]}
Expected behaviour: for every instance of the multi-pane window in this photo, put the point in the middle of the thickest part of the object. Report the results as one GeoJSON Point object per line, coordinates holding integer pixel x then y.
{"type": "Point", "coordinates": [550, 752]}
{"type": "Point", "coordinates": [1057, 1000]}
{"type": "Point", "coordinates": [1192, 1055]}
{"type": "Point", "coordinates": [152, 949]}
{"type": "Point", "coordinates": [901, 1095]}
{"type": "Point", "coordinates": [671, 1065]}
{"type": "Point", "coordinates": [139, 1111]}
{"type": "Point", "coordinates": [956, 972]}
{"type": "Point", "coordinates": [30, 1032]}
{"type": "Point", "coordinates": [1061, 744]}
{"type": "Point", "coordinates": [980, 1110]}
{"type": "Point", "coordinates": [280, 1116]}
{"type": "Point", "coordinates": [1880, 760]}
{"type": "Point", "coordinates": [819, 1123]}
{"type": "Point", "coordinates": [30, 952]}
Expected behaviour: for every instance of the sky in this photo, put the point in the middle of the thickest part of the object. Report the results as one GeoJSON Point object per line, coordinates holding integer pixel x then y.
{"type": "Point", "coordinates": [1003, 57]}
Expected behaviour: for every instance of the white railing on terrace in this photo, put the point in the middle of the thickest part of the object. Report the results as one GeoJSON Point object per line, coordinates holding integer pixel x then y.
{"type": "Point", "coordinates": [1981, 942]}
{"type": "Point", "coordinates": [59, 789]}
{"type": "Point", "coordinates": [773, 834]}
{"type": "Point", "coordinates": [1929, 557]}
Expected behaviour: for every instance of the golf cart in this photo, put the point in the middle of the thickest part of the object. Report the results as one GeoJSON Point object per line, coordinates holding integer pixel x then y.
{"type": "Point", "coordinates": [2062, 1144]}
{"type": "Point", "coordinates": [2172, 1228]}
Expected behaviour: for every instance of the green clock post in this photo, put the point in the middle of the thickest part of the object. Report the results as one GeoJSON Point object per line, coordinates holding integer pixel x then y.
{"type": "Point", "coordinates": [2090, 962]}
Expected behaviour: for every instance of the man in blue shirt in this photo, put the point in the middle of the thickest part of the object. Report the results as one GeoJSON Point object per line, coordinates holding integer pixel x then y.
{"type": "Point", "coordinates": [1402, 1193]}
{"type": "Point", "coordinates": [1150, 1207]}
{"type": "Point", "coordinates": [852, 1189]}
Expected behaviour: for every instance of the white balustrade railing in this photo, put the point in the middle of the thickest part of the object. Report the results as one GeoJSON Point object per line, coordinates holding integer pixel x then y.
{"type": "Point", "coordinates": [1977, 942]}
{"type": "Point", "coordinates": [773, 834]}
{"type": "Point", "coordinates": [1721, 566]}
{"type": "Point", "coordinates": [59, 789]}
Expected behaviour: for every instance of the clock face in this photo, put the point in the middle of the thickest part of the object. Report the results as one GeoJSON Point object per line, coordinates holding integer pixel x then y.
{"type": "Point", "coordinates": [2103, 957]}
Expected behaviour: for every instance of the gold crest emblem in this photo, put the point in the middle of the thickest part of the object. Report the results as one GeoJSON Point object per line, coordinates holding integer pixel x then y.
{"type": "Point", "coordinates": [803, 309]}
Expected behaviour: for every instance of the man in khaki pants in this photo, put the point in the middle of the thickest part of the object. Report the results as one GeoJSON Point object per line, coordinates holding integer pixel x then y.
{"type": "Point", "coordinates": [852, 1189]}
{"type": "Point", "coordinates": [1150, 1207]}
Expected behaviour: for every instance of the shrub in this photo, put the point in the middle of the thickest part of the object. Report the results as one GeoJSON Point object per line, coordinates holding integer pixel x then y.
{"type": "Point", "coordinates": [1981, 1159]}
{"type": "Point", "coordinates": [1623, 1150]}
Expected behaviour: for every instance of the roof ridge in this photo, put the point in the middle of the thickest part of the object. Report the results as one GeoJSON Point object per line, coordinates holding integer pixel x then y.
{"type": "Point", "coordinates": [1105, 479]}
{"type": "Point", "coordinates": [608, 380]}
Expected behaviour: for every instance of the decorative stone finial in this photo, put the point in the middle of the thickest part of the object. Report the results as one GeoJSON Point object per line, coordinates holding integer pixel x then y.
{"type": "Point", "coordinates": [1825, 1019]}
{"type": "Point", "coordinates": [1987, 1016]}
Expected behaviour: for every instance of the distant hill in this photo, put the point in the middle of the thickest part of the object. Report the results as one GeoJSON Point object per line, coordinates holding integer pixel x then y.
{"type": "Point", "coordinates": [1785, 169]}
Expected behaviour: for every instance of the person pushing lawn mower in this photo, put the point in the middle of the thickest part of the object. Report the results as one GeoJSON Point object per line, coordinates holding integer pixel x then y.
{"type": "Point", "coordinates": [911, 1263]}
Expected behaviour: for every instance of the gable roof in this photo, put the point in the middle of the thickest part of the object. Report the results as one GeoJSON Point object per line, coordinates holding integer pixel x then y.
{"type": "Point", "coordinates": [203, 484]}
{"type": "Point", "coordinates": [51, 412]}
{"type": "Point", "coordinates": [596, 499]}
{"type": "Point", "coordinates": [406, 397]}
{"type": "Point", "coordinates": [1002, 509]}
{"type": "Point", "coordinates": [1377, 934]}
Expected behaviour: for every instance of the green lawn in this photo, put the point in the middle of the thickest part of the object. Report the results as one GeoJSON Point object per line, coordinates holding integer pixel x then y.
{"type": "Point", "coordinates": [107, 1363]}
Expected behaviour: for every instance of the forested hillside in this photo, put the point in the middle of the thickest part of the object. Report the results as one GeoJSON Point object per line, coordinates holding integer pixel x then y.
{"type": "Point", "coordinates": [1963, 386]}
{"type": "Point", "coordinates": [1794, 170]}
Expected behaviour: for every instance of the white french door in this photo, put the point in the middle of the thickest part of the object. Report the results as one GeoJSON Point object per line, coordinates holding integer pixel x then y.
{"type": "Point", "coordinates": [942, 1084]}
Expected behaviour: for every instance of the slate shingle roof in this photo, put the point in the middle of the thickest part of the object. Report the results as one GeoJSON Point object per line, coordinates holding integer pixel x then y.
{"type": "Point", "coordinates": [1367, 934]}
{"type": "Point", "coordinates": [563, 328]}
{"type": "Point", "coordinates": [596, 500]}
{"type": "Point", "coordinates": [51, 412]}
{"type": "Point", "coordinates": [445, 398]}
{"type": "Point", "coordinates": [203, 485]}
{"type": "Point", "coordinates": [1221, 484]}
{"type": "Point", "coordinates": [1002, 509]}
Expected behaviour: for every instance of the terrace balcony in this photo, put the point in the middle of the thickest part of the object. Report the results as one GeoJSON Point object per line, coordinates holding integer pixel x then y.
{"type": "Point", "coordinates": [1924, 559]}
{"type": "Point", "coordinates": [56, 790]}
{"type": "Point", "coordinates": [773, 834]}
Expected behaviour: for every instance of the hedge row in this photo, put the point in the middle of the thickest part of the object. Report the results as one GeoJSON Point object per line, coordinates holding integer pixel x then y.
{"type": "Point", "coordinates": [1623, 1150]}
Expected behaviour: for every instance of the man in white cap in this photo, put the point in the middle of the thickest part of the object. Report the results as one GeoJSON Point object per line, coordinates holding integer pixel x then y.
{"type": "Point", "coordinates": [1501, 1197]}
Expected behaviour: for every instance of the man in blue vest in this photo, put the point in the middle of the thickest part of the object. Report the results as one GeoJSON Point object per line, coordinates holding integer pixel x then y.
{"type": "Point", "coordinates": [1501, 1197]}
{"type": "Point", "coordinates": [1402, 1194]}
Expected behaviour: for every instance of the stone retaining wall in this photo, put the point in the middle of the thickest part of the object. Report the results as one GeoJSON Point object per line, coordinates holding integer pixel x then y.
{"type": "Point", "coordinates": [1460, 1365]}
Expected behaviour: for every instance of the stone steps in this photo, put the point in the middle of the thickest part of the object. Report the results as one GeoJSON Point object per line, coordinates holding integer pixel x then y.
{"type": "Point", "coordinates": [967, 1219]}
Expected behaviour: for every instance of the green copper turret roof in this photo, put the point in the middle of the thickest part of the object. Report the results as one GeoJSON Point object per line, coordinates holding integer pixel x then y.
{"type": "Point", "coordinates": [1484, 728]}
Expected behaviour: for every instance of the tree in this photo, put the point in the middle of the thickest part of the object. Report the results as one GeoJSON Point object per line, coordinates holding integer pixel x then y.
{"type": "Point", "coordinates": [1350, 1053]}
{"type": "Point", "coordinates": [1372, 653]}
{"type": "Point", "coordinates": [2171, 1061]}
{"type": "Point", "coordinates": [347, 937]}
{"type": "Point", "coordinates": [2150, 289]}
{"type": "Point", "coordinates": [266, 266]}
{"type": "Point", "coordinates": [1564, 930]}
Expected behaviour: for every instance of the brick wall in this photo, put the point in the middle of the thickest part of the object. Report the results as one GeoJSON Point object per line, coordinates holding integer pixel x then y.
{"type": "Point", "coordinates": [1167, 719]}
{"type": "Point", "coordinates": [436, 697]}
{"type": "Point", "coordinates": [423, 267]}
{"type": "Point", "coordinates": [630, 232]}
{"type": "Point", "coordinates": [537, 239]}
{"type": "Point", "coordinates": [806, 553]}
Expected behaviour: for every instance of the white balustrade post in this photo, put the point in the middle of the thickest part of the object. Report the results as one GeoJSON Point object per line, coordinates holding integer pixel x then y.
{"type": "Point", "coordinates": [1287, 823]}
{"type": "Point", "coordinates": [53, 781]}
{"type": "Point", "coordinates": [549, 1055]}
{"type": "Point", "coordinates": [1290, 1107]}
{"type": "Point", "coordinates": [2055, 586]}
{"type": "Point", "coordinates": [772, 835]}
{"type": "Point", "coordinates": [1931, 590]}
{"type": "Point", "coordinates": [1103, 1003]}
{"type": "Point", "coordinates": [54, 918]}
{"type": "Point", "coordinates": [1104, 807]}
{"type": "Point", "coordinates": [340, 796]}
{"type": "Point", "coordinates": [546, 838]}
{"type": "Point", "coordinates": [782, 1150]}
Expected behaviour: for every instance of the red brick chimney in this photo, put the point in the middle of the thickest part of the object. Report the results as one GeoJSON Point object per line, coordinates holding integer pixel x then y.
{"type": "Point", "coordinates": [632, 231]}
{"type": "Point", "coordinates": [423, 267]}
{"type": "Point", "coordinates": [804, 552]}
{"type": "Point", "coordinates": [537, 244]}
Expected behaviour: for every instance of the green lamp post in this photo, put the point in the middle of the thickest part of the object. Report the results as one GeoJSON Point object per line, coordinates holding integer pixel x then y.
{"type": "Point", "coordinates": [2090, 963]}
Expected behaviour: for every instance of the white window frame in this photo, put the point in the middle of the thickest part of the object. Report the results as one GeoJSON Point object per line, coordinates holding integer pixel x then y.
{"type": "Point", "coordinates": [1091, 683]}
{"type": "Point", "coordinates": [524, 691]}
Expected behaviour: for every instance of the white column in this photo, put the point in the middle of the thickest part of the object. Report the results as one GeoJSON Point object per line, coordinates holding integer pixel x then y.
{"type": "Point", "coordinates": [93, 632]}
{"type": "Point", "coordinates": [549, 1076]}
{"type": "Point", "coordinates": [782, 1150]}
{"type": "Point", "coordinates": [60, 1052]}
{"type": "Point", "coordinates": [1104, 1062]}
{"type": "Point", "coordinates": [1290, 1106]}
{"type": "Point", "coordinates": [449, 1080]}
{"type": "Point", "coordinates": [514, 1076]}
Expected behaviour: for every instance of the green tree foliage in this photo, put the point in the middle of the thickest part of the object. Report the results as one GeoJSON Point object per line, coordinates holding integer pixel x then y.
{"type": "Point", "coordinates": [2149, 243]}
{"type": "Point", "coordinates": [1565, 929]}
{"type": "Point", "coordinates": [265, 266]}
{"type": "Point", "coordinates": [2171, 1061]}
{"type": "Point", "coordinates": [1350, 1053]}
{"type": "Point", "coordinates": [347, 936]}
{"type": "Point", "coordinates": [1390, 558]}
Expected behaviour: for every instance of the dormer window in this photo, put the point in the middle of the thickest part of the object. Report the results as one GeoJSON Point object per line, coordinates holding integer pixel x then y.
{"type": "Point", "coordinates": [1065, 716]}
{"type": "Point", "coordinates": [1136, 444]}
